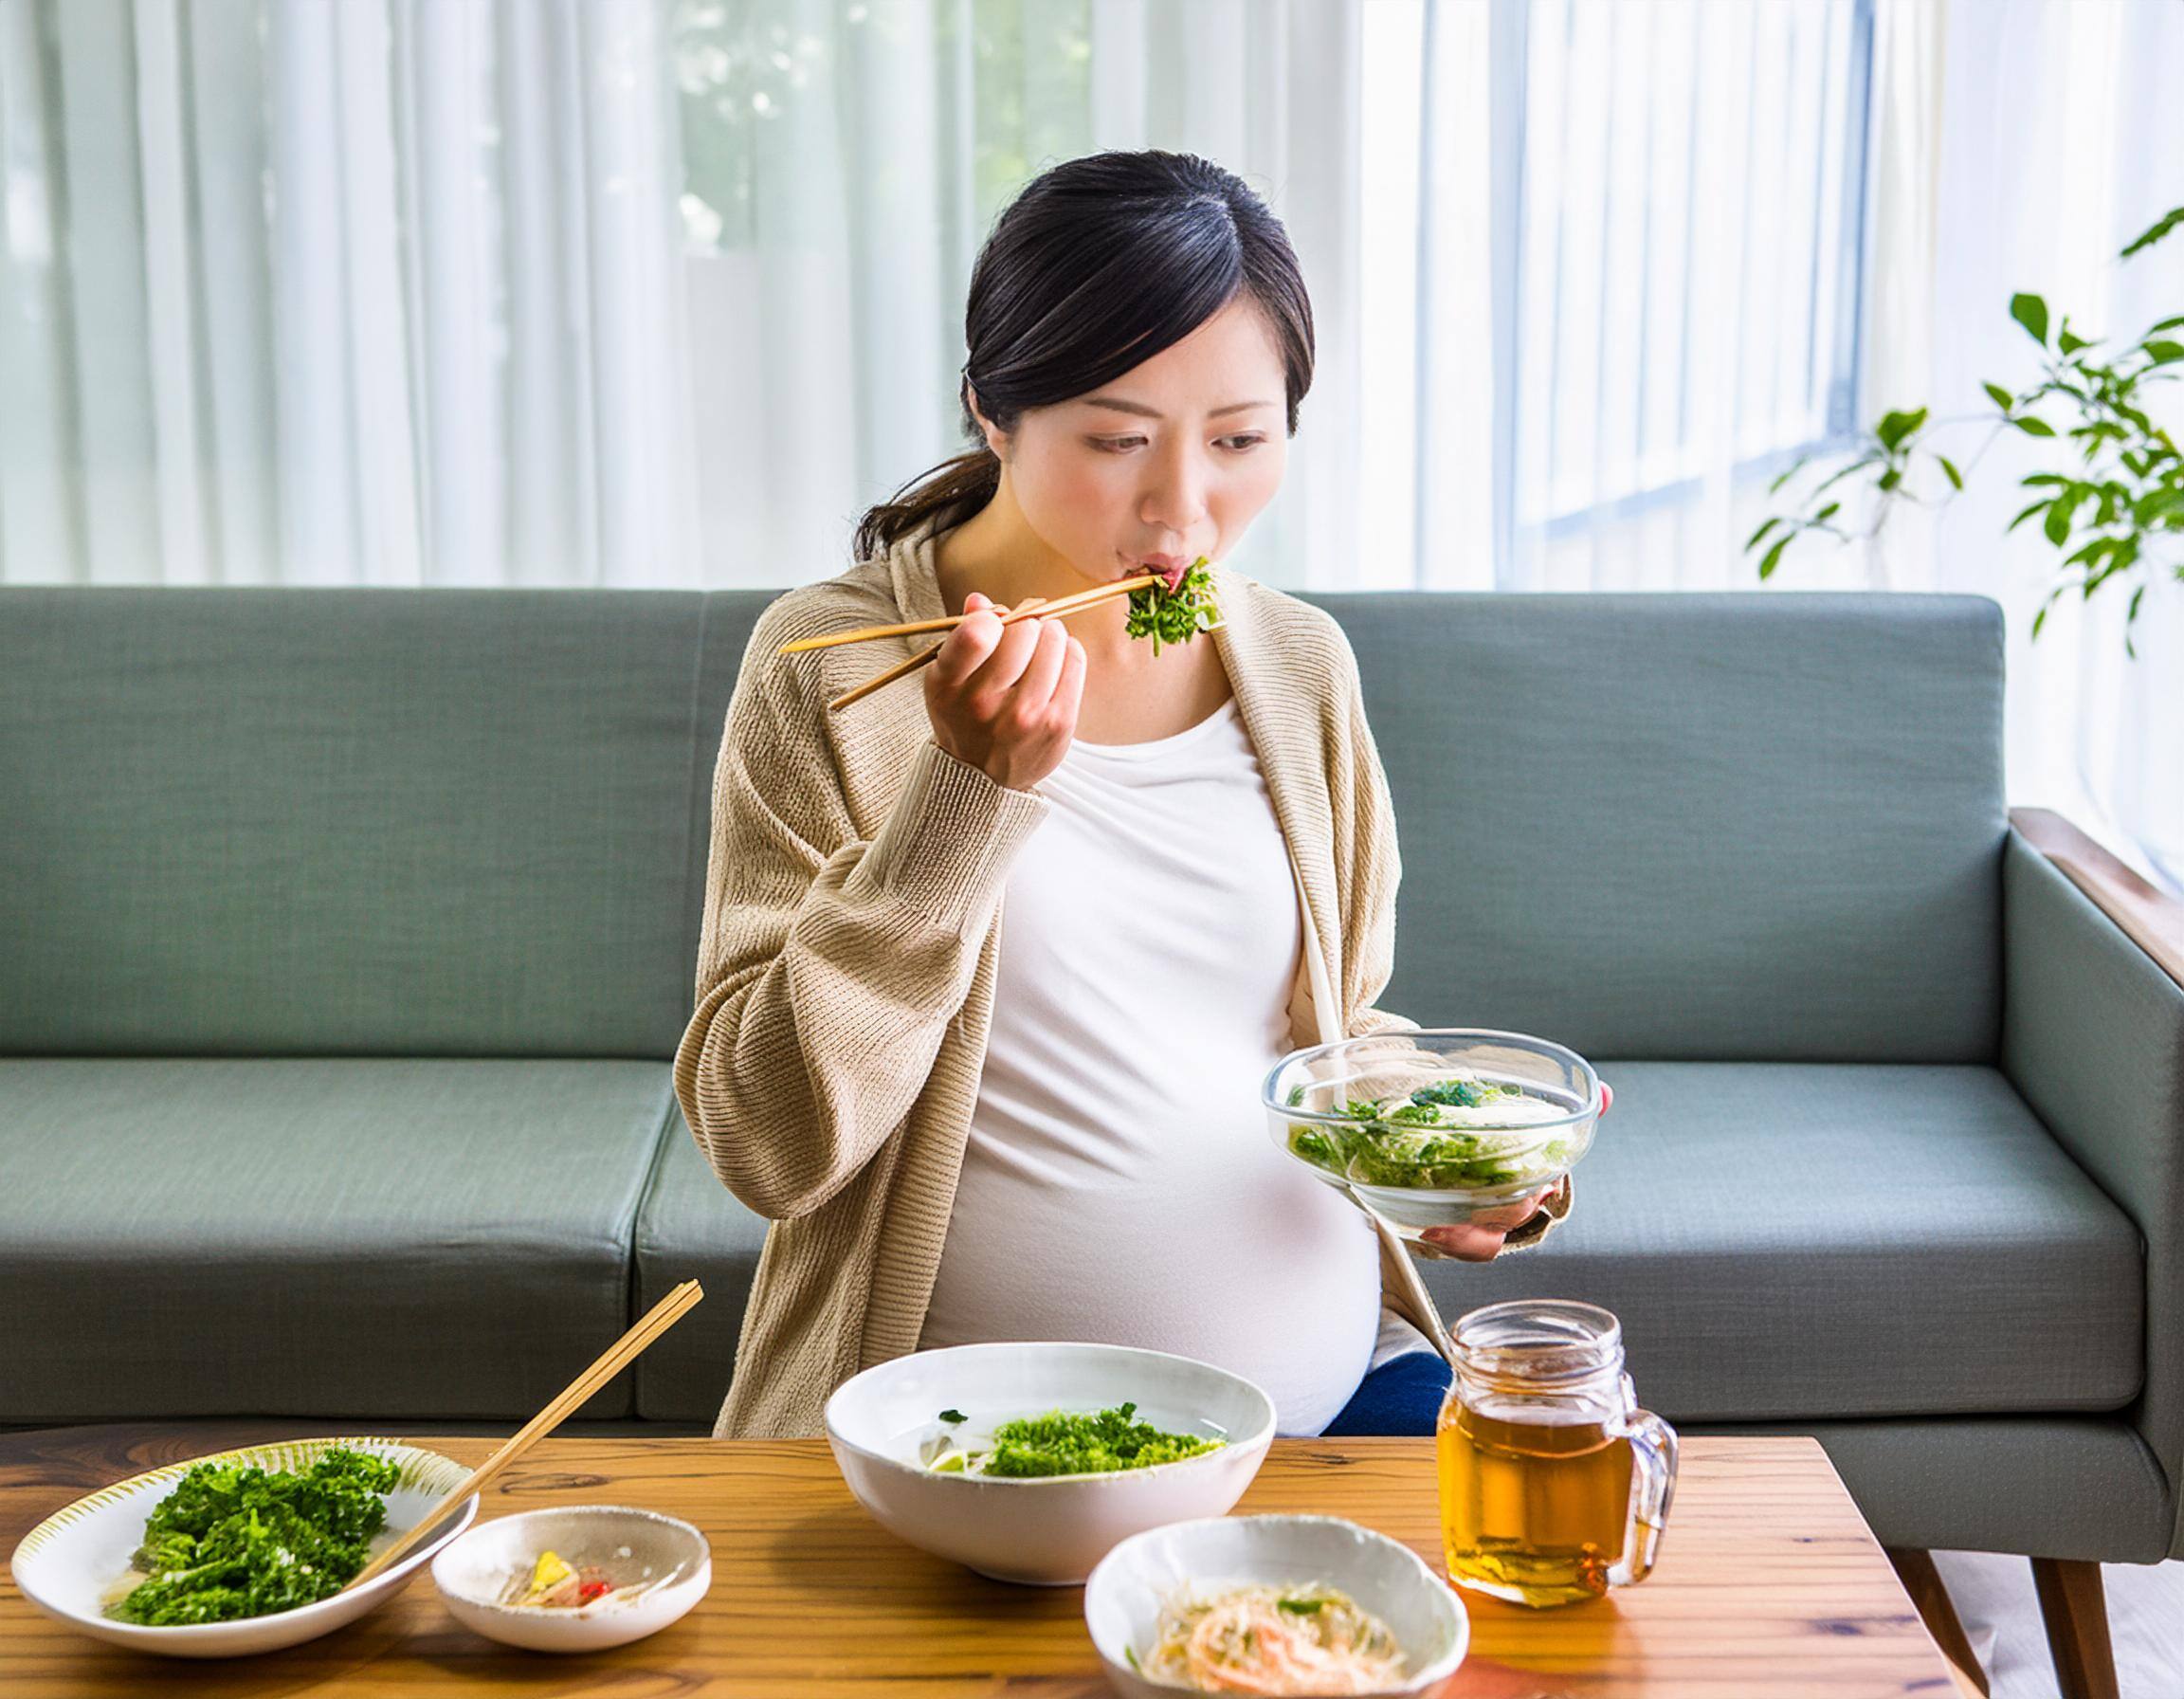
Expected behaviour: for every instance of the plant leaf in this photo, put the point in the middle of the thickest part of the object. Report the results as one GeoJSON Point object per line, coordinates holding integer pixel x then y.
{"type": "Point", "coordinates": [1949, 467]}
{"type": "Point", "coordinates": [2164, 352]}
{"type": "Point", "coordinates": [2154, 232]}
{"type": "Point", "coordinates": [2001, 396]}
{"type": "Point", "coordinates": [1774, 556]}
{"type": "Point", "coordinates": [1891, 479]}
{"type": "Point", "coordinates": [2057, 523]}
{"type": "Point", "coordinates": [2027, 514]}
{"type": "Point", "coordinates": [2069, 340]}
{"type": "Point", "coordinates": [2031, 311]}
{"type": "Point", "coordinates": [1790, 471]}
{"type": "Point", "coordinates": [2033, 427]}
{"type": "Point", "coordinates": [1827, 513]}
{"type": "Point", "coordinates": [1753, 541]}
{"type": "Point", "coordinates": [1894, 428]}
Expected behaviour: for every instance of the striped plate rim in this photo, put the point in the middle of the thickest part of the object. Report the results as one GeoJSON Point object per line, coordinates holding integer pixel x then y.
{"type": "Point", "coordinates": [426, 1470]}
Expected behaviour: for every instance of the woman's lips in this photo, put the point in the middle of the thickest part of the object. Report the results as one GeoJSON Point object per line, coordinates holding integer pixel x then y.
{"type": "Point", "coordinates": [1170, 567]}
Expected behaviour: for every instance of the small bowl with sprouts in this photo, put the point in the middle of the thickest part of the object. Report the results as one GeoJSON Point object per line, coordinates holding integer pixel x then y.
{"type": "Point", "coordinates": [1276, 1605]}
{"type": "Point", "coordinates": [1429, 1128]}
{"type": "Point", "coordinates": [577, 1579]}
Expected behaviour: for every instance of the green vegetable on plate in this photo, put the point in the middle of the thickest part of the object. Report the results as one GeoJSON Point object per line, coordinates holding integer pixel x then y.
{"type": "Point", "coordinates": [233, 1541]}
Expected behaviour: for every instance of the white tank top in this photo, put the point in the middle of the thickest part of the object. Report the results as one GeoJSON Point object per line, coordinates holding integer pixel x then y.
{"type": "Point", "coordinates": [1120, 1183]}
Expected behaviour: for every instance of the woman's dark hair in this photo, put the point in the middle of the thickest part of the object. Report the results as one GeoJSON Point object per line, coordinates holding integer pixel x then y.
{"type": "Point", "coordinates": [1094, 269]}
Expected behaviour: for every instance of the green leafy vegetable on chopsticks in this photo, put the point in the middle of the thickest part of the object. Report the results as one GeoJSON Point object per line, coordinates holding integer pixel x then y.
{"type": "Point", "coordinates": [1176, 612]}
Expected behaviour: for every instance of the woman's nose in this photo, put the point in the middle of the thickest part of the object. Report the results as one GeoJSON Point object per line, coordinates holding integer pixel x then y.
{"type": "Point", "coordinates": [1176, 500]}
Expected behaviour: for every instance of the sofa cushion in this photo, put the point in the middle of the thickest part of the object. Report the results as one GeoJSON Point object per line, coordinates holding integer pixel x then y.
{"type": "Point", "coordinates": [1696, 827]}
{"type": "Point", "coordinates": [1811, 1241]}
{"type": "Point", "coordinates": [349, 1238]}
{"type": "Point", "coordinates": [691, 1227]}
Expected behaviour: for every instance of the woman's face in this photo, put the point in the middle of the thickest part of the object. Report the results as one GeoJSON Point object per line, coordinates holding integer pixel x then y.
{"type": "Point", "coordinates": [1170, 461]}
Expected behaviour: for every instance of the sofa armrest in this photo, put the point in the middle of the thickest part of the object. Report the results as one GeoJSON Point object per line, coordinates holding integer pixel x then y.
{"type": "Point", "coordinates": [2093, 1038]}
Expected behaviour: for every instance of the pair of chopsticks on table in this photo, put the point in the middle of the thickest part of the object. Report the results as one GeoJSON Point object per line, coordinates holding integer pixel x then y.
{"type": "Point", "coordinates": [616, 1357]}
{"type": "Point", "coordinates": [1035, 608]}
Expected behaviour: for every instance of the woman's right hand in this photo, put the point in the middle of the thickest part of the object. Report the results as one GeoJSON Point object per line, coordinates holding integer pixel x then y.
{"type": "Point", "coordinates": [1004, 698]}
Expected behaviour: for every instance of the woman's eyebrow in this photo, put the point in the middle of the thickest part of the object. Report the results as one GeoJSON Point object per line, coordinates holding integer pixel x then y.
{"type": "Point", "coordinates": [1115, 404]}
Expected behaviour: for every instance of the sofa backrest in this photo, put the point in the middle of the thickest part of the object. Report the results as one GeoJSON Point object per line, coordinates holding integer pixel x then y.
{"type": "Point", "coordinates": [451, 822]}
{"type": "Point", "coordinates": [1696, 827]}
{"type": "Point", "coordinates": [312, 821]}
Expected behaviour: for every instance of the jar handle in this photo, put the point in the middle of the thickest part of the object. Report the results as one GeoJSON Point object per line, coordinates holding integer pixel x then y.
{"type": "Point", "coordinates": [1653, 1487]}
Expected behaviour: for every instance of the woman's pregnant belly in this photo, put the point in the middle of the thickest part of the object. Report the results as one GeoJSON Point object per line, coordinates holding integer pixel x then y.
{"type": "Point", "coordinates": [1177, 1226]}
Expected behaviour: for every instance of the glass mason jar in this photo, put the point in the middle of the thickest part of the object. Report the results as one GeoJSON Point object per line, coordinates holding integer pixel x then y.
{"type": "Point", "coordinates": [1555, 1486]}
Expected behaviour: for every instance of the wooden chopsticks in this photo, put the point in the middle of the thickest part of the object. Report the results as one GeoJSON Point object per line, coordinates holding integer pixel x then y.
{"type": "Point", "coordinates": [866, 633]}
{"type": "Point", "coordinates": [617, 1356]}
{"type": "Point", "coordinates": [1061, 609]}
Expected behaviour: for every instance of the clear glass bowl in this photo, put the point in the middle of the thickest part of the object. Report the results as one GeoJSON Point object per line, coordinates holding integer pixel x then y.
{"type": "Point", "coordinates": [1432, 1127]}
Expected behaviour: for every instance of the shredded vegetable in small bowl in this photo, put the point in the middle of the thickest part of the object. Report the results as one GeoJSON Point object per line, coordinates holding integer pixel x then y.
{"type": "Point", "coordinates": [1432, 1127]}
{"type": "Point", "coordinates": [1277, 1641]}
{"type": "Point", "coordinates": [1272, 1605]}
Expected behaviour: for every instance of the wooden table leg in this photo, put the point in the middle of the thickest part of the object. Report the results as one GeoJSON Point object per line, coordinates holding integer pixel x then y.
{"type": "Point", "coordinates": [1922, 1580]}
{"type": "Point", "coordinates": [2076, 1609]}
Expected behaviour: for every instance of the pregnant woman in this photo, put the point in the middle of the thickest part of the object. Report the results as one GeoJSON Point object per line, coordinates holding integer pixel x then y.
{"type": "Point", "coordinates": [992, 971]}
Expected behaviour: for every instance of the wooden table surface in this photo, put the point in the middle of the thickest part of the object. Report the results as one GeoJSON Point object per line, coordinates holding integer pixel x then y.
{"type": "Point", "coordinates": [1768, 1586]}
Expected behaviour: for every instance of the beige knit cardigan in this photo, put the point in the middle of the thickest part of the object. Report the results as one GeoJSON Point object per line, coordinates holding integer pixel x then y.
{"type": "Point", "coordinates": [846, 967]}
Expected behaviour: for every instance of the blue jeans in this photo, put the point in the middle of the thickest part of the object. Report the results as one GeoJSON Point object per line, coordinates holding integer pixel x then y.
{"type": "Point", "coordinates": [1402, 1396]}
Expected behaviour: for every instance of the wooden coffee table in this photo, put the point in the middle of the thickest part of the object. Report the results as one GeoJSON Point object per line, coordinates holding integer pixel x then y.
{"type": "Point", "coordinates": [1769, 1585]}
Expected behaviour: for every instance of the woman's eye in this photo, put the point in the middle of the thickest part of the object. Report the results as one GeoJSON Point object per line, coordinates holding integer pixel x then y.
{"type": "Point", "coordinates": [1240, 443]}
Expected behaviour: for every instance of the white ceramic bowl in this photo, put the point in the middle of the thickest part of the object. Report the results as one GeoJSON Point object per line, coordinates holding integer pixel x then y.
{"type": "Point", "coordinates": [1122, 1604]}
{"type": "Point", "coordinates": [1045, 1532]}
{"type": "Point", "coordinates": [65, 1565]}
{"type": "Point", "coordinates": [474, 1573]}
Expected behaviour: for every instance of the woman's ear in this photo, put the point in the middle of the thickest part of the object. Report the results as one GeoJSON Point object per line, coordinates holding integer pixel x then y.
{"type": "Point", "coordinates": [997, 439]}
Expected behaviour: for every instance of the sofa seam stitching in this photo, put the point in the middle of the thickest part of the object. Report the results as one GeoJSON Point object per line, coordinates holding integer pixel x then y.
{"type": "Point", "coordinates": [632, 1276]}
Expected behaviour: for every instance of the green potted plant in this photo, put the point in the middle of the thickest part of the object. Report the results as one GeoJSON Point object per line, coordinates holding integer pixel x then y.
{"type": "Point", "coordinates": [2112, 504]}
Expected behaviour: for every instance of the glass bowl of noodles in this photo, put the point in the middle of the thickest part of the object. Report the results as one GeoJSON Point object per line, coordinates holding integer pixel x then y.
{"type": "Point", "coordinates": [1431, 1127]}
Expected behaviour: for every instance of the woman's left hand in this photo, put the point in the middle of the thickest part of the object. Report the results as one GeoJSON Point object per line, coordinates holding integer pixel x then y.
{"type": "Point", "coordinates": [1479, 1240]}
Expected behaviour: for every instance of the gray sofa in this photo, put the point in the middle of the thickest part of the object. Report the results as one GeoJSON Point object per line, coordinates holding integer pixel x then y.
{"type": "Point", "coordinates": [345, 937]}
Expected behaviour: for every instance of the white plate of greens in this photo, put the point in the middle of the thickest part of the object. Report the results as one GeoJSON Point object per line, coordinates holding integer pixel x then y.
{"type": "Point", "coordinates": [240, 1552]}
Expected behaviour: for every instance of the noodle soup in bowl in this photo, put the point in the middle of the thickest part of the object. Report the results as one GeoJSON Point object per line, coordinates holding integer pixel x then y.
{"type": "Point", "coordinates": [1273, 1604]}
{"type": "Point", "coordinates": [920, 1441]}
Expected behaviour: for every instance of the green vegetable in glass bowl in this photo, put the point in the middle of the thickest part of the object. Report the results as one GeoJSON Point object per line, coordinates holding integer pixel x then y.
{"type": "Point", "coordinates": [1413, 1140]}
{"type": "Point", "coordinates": [1431, 1127]}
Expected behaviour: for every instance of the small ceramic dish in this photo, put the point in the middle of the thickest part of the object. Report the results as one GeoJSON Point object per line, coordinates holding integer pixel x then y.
{"type": "Point", "coordinates": [69, 1564]}
{"type": "Point", "coordinates": [1123, 1600]}
{"type": "Point", "coordinates": [665, 1560]}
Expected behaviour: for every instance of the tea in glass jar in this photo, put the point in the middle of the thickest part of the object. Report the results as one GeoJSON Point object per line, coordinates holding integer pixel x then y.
{"type": "Point", "coordinates": [1555, 1486]}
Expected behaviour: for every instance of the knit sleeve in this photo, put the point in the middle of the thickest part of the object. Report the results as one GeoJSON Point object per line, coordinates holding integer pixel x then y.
{"type": "Point", "coordinates": [828, 966]}
{"type": "Point", "coordinates": [1374, 869]}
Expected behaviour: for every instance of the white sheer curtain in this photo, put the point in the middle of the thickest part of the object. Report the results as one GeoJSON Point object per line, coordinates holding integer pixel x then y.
{"type": "Point", "coordinates": [846, 162]}
{"type": "Point", "coordinates": [666, 291]}
{"type": "Point", "coordinates": [2038, 137]}
{"type": "Point", "coordinates": [341, 291]}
